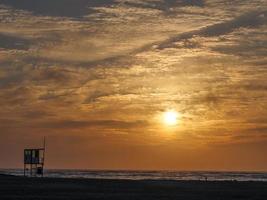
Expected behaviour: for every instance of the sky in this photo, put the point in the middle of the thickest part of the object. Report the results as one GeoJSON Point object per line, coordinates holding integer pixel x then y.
{"type": "Point", "coordinates": [97, 76]}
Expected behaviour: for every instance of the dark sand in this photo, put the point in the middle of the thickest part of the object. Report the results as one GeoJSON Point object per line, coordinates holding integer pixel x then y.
{"type": "Point", "coordinates": [56, 188]}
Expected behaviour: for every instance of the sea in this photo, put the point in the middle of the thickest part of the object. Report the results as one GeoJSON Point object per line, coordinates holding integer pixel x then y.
{"type": "Point", "coordinates": [148, 175]}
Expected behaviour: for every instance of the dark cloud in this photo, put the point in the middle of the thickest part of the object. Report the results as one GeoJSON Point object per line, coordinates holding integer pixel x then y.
{"type": "Point", "coordinates": [17, 96]}
{"type": "Point", "coordinates": [8, 41]}
{"type": "Point", "coordinates": [36, 114]}
{"type": "Point", "coordinates": [177, 3]}
{"type": "Point", "coordinates": [55, 75]}
{"type": "Point", "coordinates": [250, 20]}
{"type": "Point", "coordinates": [256, 130]}
{"type": "Point", "coordinates": [258, 120]}
{"type": "Point", "coordinates": [112, 60]}
{"type": "Point", "coordinates": [166, 5]}
{"type": "Point", "coordinates": [244, 48]}
{"type": "Point", "coordinates": [94, 96]}
{"type": "Point", "coordinates": [260, 63]}
{"type": "Point", "coordinates": [54, 95]}
{"type": "Point", "coordinates": [11, 41]}
{"type": "Point", "coordinates": [12, 78]}
{"type": "Point", "coordinates": [15, 77]}
{"type": "Point", "coordinates": [262, 87]}
{"type": "Point", "coordinates": [64, 8]}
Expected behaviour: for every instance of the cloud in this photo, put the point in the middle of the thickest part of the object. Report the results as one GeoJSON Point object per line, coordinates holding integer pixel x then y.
{"type": "Point", "coordinates": [110, 124]}
{"type": "Point", "coordinates": [17, 96]}
{"type": "Point", "coordinates": [246, 43]}
{"type": "Point", "coordinates": [14, 42]}
{"type": "Point", "coordinates": [179, 3]}
{"type": "Point", "coordinates": [119, 68]}
{"type": "Point", "coordinates": [62, 8]}
{"type": "Point", "coordinates": [36, 114]}
{"type": "Point", "coordinates": [250, 19]}
{"type": "Point", "coordinates": [165, 5]}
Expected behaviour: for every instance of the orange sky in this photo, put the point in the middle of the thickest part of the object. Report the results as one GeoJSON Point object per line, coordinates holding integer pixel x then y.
{"type": "Point", "coordinates": [96, 78]}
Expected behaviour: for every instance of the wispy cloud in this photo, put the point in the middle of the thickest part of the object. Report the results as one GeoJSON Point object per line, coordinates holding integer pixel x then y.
{"type": "Point", "coordinates": [106, 70]}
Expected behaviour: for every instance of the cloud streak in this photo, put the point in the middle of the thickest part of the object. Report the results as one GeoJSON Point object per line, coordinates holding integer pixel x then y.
{"type": "Point", "coordinates": [250, 20]}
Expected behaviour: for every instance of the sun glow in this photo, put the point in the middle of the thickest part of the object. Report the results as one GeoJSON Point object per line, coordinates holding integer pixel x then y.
{"type": "Point", "coordinates": [171, 117]}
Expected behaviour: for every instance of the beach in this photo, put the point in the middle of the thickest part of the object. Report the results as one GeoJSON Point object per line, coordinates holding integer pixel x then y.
{"type": "Point", "coordinates": [13, 187]}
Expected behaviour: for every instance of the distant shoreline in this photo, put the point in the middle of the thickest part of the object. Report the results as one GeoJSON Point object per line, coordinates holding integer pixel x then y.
{"type": "Point", "coordinates": [13, 187]}
{"type": "Point", "coordinates": [121, 179]}
{"type": "Point", "coordinates": [149, 175]}
{"type": "Point", "coordinates": [116, 179]}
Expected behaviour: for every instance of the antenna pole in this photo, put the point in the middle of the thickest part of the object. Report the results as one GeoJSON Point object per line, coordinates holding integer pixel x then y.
{"type": "Point", "coordinates": [43, 156]}
{"type": "Point", "coordinates": [44, 143]}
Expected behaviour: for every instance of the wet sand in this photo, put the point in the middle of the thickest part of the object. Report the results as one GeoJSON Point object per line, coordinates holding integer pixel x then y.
{"type": "Point", "coordinates": [12, 187]}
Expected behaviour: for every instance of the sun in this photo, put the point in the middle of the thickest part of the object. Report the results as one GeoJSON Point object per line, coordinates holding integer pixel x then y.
{"type": "Point", "coordinates": [171, 117]}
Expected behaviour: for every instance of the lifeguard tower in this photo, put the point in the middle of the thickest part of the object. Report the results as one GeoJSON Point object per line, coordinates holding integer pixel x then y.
{"type": "Point", "coordinates": [34, 161]}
